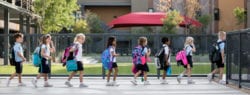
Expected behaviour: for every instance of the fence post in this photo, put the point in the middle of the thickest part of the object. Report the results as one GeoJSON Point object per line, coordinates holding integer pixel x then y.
{"type": "Point", "coordinates": [227, 62]}
{"type": "Point", "coordinates": [239, 82]}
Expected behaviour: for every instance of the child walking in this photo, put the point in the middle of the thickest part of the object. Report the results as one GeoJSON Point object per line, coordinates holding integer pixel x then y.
{"type": "Point", "coordinates": [220, 63]}
{"type": "Point", "coordinates": [78, 41]}
{"type": "Point", "coordinates": [189, 47]}
{"type": "Point", "coordinates": [111, 45]}
{"type": "Point", "coordinates": [166, 59]}
{"type": "Point", "coordinates": [19, 59]}
{"type": "Point", "coordinates": [139, 65]}
{"type": "Point", "coordinates": [47, 47]}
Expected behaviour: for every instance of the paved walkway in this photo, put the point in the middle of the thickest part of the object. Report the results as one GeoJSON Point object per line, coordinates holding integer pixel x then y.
{"type": "Point", "coordinates": [97, 87]}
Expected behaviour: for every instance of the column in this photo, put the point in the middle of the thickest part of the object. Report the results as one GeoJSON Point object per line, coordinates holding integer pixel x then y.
{"type": "Point", "coordinates": [6, 38]}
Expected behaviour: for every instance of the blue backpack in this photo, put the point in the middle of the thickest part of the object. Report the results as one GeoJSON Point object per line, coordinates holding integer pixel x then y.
{"type": "Point", "coordinates": [36, 57]}
{"type": "Point", "coordinates": [105, 58]}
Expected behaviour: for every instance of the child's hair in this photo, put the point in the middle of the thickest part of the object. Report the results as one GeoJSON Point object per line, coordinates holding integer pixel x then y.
{"type": "Point", "coordinates": [18, 35]}
{"type": "Point", "coordinates": [110, 41]}
{"type": "Point", "coordinates": [45, 37]}
{"type": "Point", "coordinates": [142, 40]}
{"type": "Point", "coordinates": [78, 36]}
{"type": "Point", "coordinates": [188, 39]}
{"type": "Point", "coordinates": [164, 40]}
{"type": "Point", "coordinates": [221, 34]}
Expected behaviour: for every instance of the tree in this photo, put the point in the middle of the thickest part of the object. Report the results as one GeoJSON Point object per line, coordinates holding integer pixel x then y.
{"type": "Point", "coordinates": [171, 21]}
{"type": "Point", "coordinates": [81, 26]}
{"type": "Point", "coordinates": [55, 14]}
{"type": "Point", "coordinates": [240, 15]}
{"type": "Point", "coordinates": [94, 22]}
{"type": "Point", "coordinates": [163, 5]}
{"type": "Point", "coordinates": [191, 7]}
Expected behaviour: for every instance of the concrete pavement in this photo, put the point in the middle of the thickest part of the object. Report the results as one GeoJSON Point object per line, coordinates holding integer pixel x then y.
{"type": "Point", "coordinates": [97, 87]}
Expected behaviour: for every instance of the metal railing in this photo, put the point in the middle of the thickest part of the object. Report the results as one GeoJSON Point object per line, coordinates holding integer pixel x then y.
{"type": "Point", "coordinates": [238, 58]}
{"type": "Point", "coordinates": [95, 44]}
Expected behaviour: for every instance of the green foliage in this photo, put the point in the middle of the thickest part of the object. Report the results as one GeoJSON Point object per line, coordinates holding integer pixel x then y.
{"type": "Point", "coordinates": [171, 21]}
{"type": "Point", "coordinates": [81, 26]}
{"type": "Point", "coordinates": [55, 14]}
{"type": "Point", "coordinates": [94, 22]}
{"type": "Point", "coordinates": [239, 14]}
{"type": "Point", "coordinates": [205, 20]}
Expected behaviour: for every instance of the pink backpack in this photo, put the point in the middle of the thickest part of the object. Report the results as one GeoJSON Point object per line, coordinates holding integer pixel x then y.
{"type": "Point", "coordinates": [181, 57]}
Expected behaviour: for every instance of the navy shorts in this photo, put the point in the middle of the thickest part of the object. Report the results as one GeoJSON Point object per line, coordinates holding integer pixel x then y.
{"type": "Point", "coordinates": [79, 66]}
{"type": "Point", "coordinates": [44, 67]}
{"type": "Point", "coordinates": [19, 67]}
{"type": "Point", "coordinates": [190, 62]}
{"type": "Point", "coordinates": [142, 67]}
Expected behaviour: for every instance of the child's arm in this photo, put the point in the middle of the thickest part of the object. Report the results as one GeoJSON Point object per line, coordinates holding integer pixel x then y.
{"type": "Point", "coordinates": [20, 55]}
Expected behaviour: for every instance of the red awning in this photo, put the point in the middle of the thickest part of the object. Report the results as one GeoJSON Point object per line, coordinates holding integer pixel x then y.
{"type": "Point", "coordinates": [147, 19]}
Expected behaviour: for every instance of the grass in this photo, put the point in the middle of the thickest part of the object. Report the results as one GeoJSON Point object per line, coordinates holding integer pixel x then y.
{"type": "Point", "coordinates": [95, 69]}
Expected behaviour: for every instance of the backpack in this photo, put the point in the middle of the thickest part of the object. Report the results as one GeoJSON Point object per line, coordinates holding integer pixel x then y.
{"type": "Point", "coordinates": [105, 58]}
{"type": "Point", "coordinates": [214, 52]}
{"type": "Point", "coordinates": [159, 58]}
{"type": "Point", "coordinates": [36, 57]}
{"type": "Point", "coordinates": [137, 56]}
{"type": "Point", "coordinates": [181, 58]}
{"type": "Point", "coordinates": [12, 57]}
{"type": "Point", "coordinates": [66, 54]}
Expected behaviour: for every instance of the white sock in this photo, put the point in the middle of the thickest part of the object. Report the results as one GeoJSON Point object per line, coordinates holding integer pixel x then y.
{"type": "Point", "coordinates": [181, 75]}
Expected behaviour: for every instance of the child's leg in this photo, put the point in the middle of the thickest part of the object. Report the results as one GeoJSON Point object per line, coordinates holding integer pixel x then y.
{"type": "Point", "coordinates": [108, 75]}
{"type": "Point", "coordinates": [45, 75]}
{"type": "Point", "coordinates": [71, 75]}
{"type": "Point", "coordinates": [19, 78]}
{"type": "Point", "coordinates": [221, 72]}
{"type": "Point", "coordinates": [137, 74]}
{"type": "Point", "coordinates": [145, 75]}
{"type": "Point", "coordinates": [163, 74]}
{"type": "Point", "coordinates": [81, 76]}
{"type": "Point", "coordinates": [115, 74]}
{"type": "Point", "coordinates": [188, 71]}
{"type": "Point", "coordinates": [12, 76]}
{"type": "Point", "coordinates": [214, 71]}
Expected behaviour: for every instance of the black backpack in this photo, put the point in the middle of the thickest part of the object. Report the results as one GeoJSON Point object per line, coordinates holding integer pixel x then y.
{"type": "Point", "coordinates": [160, 57]}
{"type": "Point", "coordinates": [12, 57]}
{"type": "Point", "coordinates": [215, 52]}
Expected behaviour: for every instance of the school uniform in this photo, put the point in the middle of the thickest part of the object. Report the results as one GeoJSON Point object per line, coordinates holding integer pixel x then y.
{"type": "Point", "coordinates": [77, 55]}
{"type": "Point", "coordinates": [145, 66]}
{"type": "Point", "coordinates": [113, 58]}
{"type": "Point", "coordinates": [219, 63]}
{"type": "Point", "coordinates": [44, 67]}
{"type": "Point", "coordinates": [189, 54]}
{"type": "Point", "coordinates": [18, 60]}
{"type": "Point", "coordinates": [166, 53]}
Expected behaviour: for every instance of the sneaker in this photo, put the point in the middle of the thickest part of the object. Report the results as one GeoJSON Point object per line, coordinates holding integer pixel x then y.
{"type": "Point", "coordinates": [115, 84]}
{"type": "Point", "coordinates": [222, 82]}
{"type": "Point", "coordinates": [146, 83]}
{"type": "Point", "coordinates": [134, 82]}
{"type": "Point", "coordinates": [82, 85]}
{"type": "Point", "coordinates": [34, 82]}
{"type": "Point", "coordinates": [190, 82]}
{"type": "Point", "coordinates": [164, 82]}
{"type": "Point", "coordinates": [67, 83]}
{"type": "Point", "coordinates": [21, 84]}
{"type": "Point", "coordinates": [8, 82]}
{"type": "Point", "coordinates": [179, 79]}
{"type": "Point", "coordinates": [209, 77]}
{"type": "Point", "coordinates": [47, 85]}
{"type": "Point", "coordinates": [109, 84]}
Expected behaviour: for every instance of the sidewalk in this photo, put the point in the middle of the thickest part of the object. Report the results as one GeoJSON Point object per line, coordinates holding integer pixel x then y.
{"type": "Point", "coordinates": [97, 87]}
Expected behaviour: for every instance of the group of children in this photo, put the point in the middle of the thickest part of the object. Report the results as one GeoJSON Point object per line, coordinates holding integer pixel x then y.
{"type": "Point", "coordinates": [47, 47]}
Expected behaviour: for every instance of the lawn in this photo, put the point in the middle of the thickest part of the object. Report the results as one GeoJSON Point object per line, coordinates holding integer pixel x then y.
{"type": "Point", "coordinates": [95, 69]}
